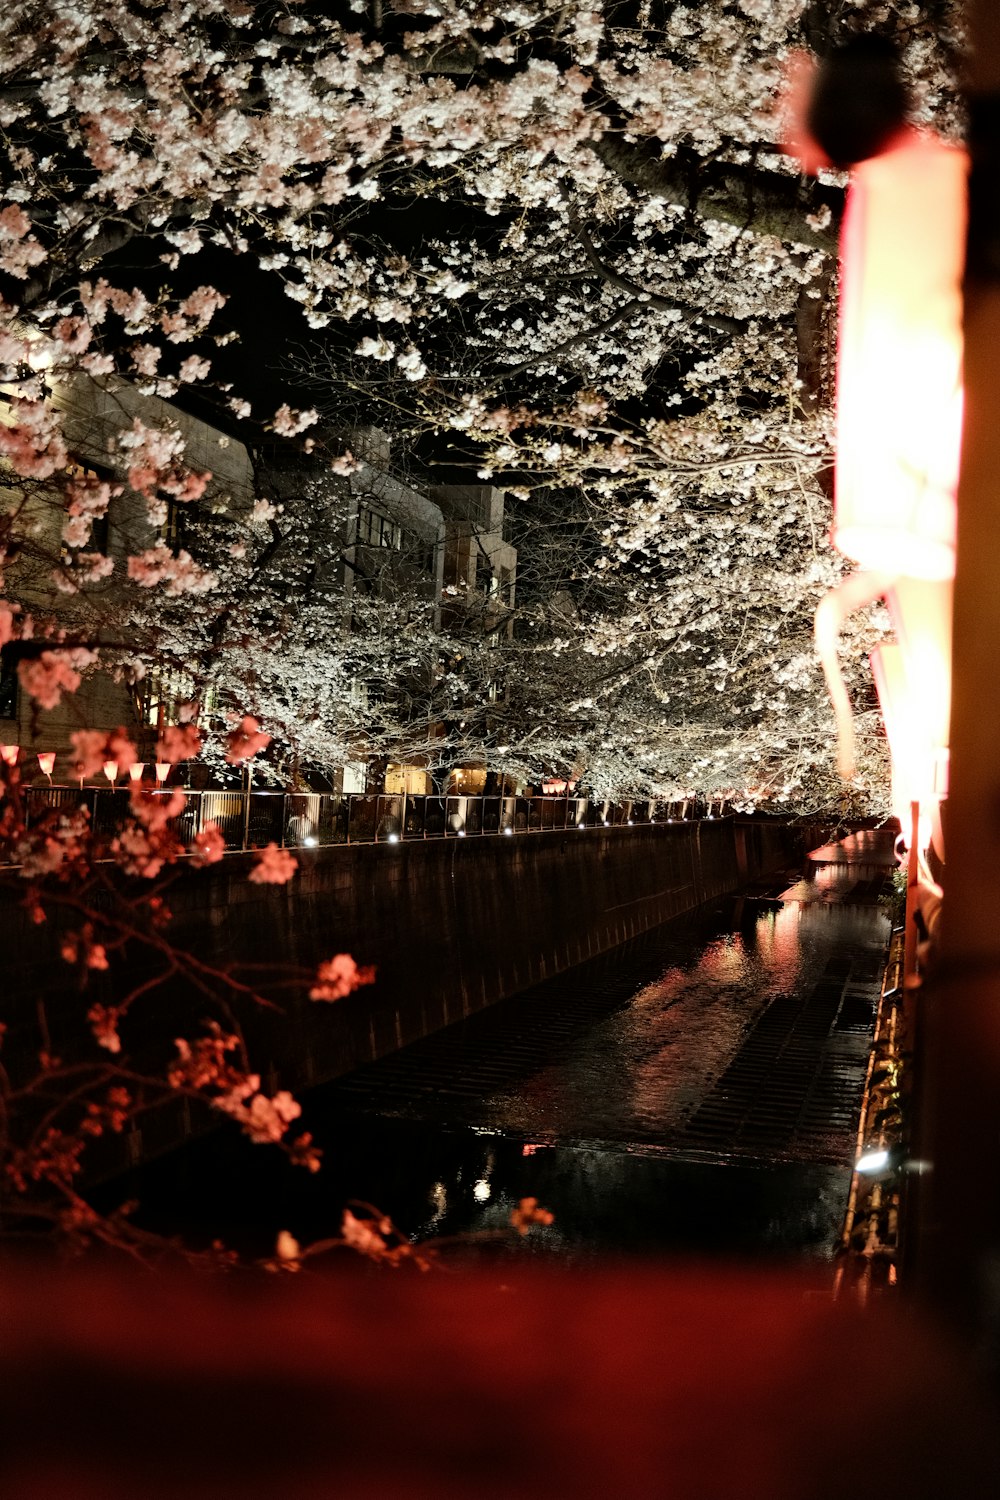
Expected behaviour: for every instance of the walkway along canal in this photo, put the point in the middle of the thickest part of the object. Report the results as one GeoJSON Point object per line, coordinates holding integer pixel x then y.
{"type": "Point", "coordinates": [695, 1090]}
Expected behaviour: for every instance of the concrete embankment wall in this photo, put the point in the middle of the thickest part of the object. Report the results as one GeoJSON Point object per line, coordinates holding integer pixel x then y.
{"type": "Point", "coordinates": [451, 926]}
{"type": "Point", "coordinates": [454, 927]}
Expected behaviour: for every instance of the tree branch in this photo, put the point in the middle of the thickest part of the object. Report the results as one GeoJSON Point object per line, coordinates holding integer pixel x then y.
{"type": "Point", "coordinates": [690, 314]}
{"type": "Point", "coordinates": [760, 201]}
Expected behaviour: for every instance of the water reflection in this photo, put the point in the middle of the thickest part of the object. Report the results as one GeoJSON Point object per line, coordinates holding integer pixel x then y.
{"type": "Point", "coordinates": [578, 1093]}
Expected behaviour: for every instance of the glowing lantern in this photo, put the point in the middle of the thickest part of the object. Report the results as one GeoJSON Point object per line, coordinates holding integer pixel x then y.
{"type": "Point", "coordinates": [162, 769]}
{"type": "Point", "coordinates": [899, 394]}
{"type": "Point", "coordinates": [111, 770]}
{"type": "Point", "coordinates": [136, 769]}
{"type": "Point", "coordinates": [899, 414]}
{"type": "Point", "coordinates": [921, 615]}
{"type": "Point", "coordinates": [10, 753]}
{"type": "Point", "coordinates": [914, 757]}
{"type": "Point", "coordinates": [46, 761]}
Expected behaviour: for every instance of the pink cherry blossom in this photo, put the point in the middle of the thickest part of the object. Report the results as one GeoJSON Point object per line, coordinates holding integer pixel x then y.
{"type": "Point", "coordinates": [154, 810]}
{"type": "Point", "coordinates": [245, 741]}
{"type": "Point", "coordinates": [178, 574]}
{"type": "Point", "coordinates": [48, 676]}
{"type": "Point", "coordinates": [287, 423]}
{"type": "Point", "coordinates": [80, 948]}
{"type": "Point", "coordinates": [90, 748]}
{"type": "Point", "coordinates": [178, 742]}
{"type": "Point", "coordinates": [273, 866]}
{"type": "Point", "coordinates": [339, 976]}
{"type": "Point", "coordinates": [208, 846]}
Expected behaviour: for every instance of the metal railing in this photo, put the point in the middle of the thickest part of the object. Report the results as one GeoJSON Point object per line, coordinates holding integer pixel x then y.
{"type": "Point", "coordinates": [249, 820]}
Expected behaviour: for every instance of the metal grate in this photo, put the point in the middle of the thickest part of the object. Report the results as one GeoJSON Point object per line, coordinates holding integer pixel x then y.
{"type": "Point", "coordinates": [796, 1082]}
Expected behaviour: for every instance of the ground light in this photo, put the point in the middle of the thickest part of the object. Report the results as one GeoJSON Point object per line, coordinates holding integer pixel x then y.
{"type": "Point", "coordinates": [872, 1162]}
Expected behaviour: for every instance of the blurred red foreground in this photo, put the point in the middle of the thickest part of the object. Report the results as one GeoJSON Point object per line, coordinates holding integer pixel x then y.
{"type": "Point", "coordinates": [633, 1380]}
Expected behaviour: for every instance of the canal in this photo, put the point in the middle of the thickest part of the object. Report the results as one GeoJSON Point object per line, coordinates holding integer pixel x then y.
{"type": "Point", "coordinates": [694, 1092]}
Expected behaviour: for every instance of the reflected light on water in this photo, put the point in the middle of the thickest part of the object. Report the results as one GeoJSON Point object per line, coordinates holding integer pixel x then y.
{"type": "Point", "coordinates": [724, 959]}
{"type": "Point", "coordinates": [438, 1199]}
{"type": "Point", "coordinates": [777, 937]}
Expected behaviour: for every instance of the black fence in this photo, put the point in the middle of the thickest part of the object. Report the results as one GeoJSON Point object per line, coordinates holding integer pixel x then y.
{"type": "Point", "coordinates": [249, 820]}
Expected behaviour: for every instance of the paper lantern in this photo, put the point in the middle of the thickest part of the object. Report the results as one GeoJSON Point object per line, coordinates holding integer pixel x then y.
{"type": "Point", "coordinates": [920, 611]}
{"type": "Point", "coordinates": [136, 769]}
{"type": "Point", "coordinates": [111, 770]}
{"type": "Point", "coordinates": [919, 760]}
{"type": "Point", "coordinates": [46, 761]}
{"type": "Point", "coordinates": [9, 753]}
{"type": "Point", "coordinates": [162, 770]}
{"type": "Point", "coordinates": [899, 415]}
{"type": "Point", "coordinates": [899, 393]}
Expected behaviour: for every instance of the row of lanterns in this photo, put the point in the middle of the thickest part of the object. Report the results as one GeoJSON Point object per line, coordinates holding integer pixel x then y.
{"type": "Point", "coordinates": [47, 760]}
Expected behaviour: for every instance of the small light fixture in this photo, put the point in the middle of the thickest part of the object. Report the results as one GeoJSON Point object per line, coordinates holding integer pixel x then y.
{"type": "Point", "coordinates": [392, 839]}
{"type": "Point", "coordinates": [508, 832]}
{"type": "Point", "coordinates": [10, 753]}
{"type": "Point", "coordinates": [111, 770]}
{"type": "Point", "coordinates": [46, 761]}
{"type": "Point", "coordinates": [461, 833]}
{"type": "Point", "coordinates": [310, 841]}
{"type": "Point", "coordinates": [872, 1162]}
{"type": "Point", "coordinates": [162, 769]}
{"type": "Point", "coordinates": [136, 769]}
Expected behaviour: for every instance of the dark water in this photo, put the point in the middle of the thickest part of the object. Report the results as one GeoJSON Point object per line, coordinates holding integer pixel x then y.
{"type": "Point", "coordinates": [695, 1092]}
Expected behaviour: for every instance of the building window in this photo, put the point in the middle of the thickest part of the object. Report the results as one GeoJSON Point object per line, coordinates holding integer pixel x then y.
{"type": "Point", "coordinates": [100, 531]}
{"type": "Point", "coordinates": [165, 689]}
{"type": "Point", "coordinates": [378, 530]}
{"type": "Point", "coordinates": [172, 530]}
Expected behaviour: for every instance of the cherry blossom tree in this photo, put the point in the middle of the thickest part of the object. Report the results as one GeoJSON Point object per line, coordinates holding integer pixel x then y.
{"type": "Point", "coordinates": [603, 277]}
{"type": "Point", "coordinates": [551, 247]}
